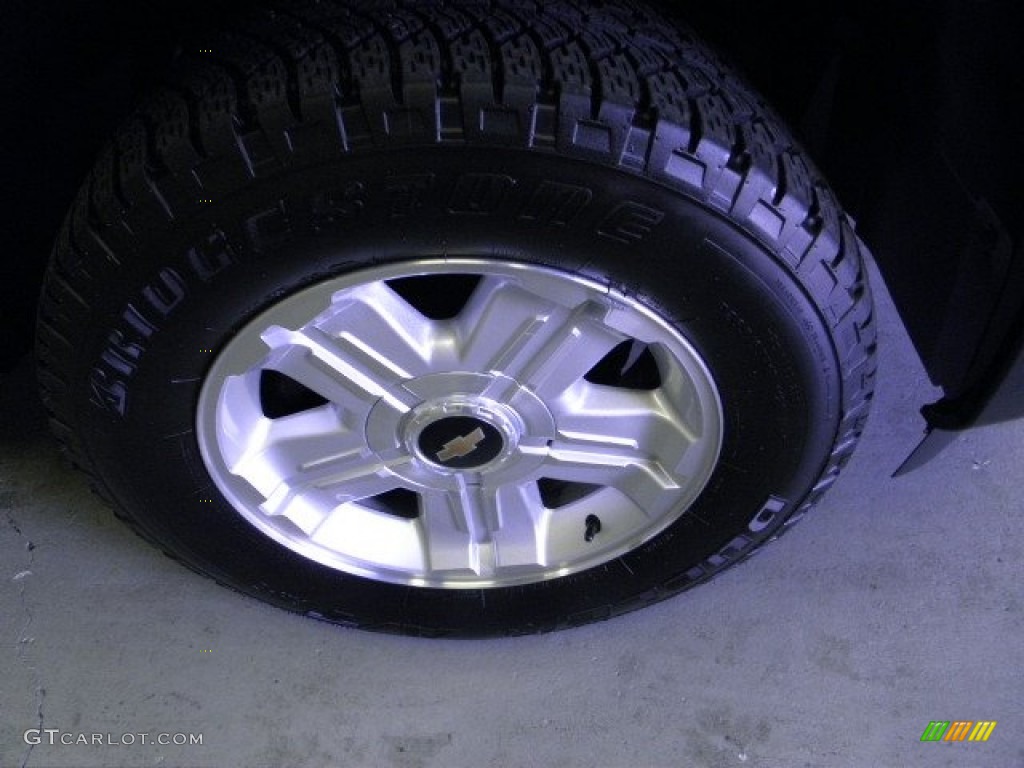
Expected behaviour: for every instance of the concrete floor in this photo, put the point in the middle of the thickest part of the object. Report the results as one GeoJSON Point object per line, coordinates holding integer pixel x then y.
{"type": "Point", "coordinates": [899, 602]}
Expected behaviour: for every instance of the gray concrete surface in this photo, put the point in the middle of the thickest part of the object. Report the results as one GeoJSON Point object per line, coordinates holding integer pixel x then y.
{"type": "Point", "coordinates": [898, 603]}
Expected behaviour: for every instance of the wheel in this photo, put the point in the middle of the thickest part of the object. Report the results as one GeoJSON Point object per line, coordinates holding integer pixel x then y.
{"type": "Point", "coordinates": [464, 320]}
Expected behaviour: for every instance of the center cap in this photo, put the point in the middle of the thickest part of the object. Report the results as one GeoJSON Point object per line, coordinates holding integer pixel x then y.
{"type": "Point", "coordinates": [485, 425]}
{"type": "Point", "coordinates": [460, 442]}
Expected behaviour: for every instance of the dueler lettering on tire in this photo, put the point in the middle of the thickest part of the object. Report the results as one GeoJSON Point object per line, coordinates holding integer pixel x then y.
{"type": "Point", "coordinates": [457, 319]}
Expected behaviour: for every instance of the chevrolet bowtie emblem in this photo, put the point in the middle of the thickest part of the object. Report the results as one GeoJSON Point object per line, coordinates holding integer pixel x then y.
{"type": "Point", "coordinates": [458, 447]}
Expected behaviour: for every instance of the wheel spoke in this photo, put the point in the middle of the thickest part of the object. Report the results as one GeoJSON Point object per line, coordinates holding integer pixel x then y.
{"type": "Point", "coordinates": [476, 511]}
{"type": "Point", "coordinates": [629, 470]}
{"type": "Point", "coordinates": [543, 344]}
{"type": "Point", "coordinates": [346, 475]}
{"type": "Point", "coordinates": [484, 529]}
{"type": "Point", "coordinates": [385, 330]}
{"type": "Point", "coordinates": [449, 542]}
{"type": "Point", "coordinates": [240, 419]}
{"type": "Point", "coordinates": [335, 368]}
{"type": "Point", "coordinates": [308, 502]}
{"type": "Point", "coordinates": [308, 463]}
{"type": "Point", "coordinates": [625, 417]}
{"type": "Point", "coordinates": [301, 440]}
{"type": "Point", "coordinates": [522, 537]}
{"type": "Point", "coordinates": [374, 537]}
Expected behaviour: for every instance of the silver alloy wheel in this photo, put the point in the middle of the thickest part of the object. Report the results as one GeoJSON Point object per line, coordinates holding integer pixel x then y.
{"type": "Point", "coordinates": [484, 449]}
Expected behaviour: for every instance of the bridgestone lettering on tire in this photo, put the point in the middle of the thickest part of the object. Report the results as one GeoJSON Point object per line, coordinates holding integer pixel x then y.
{"type": "Point", "coordinates": [462, 319]}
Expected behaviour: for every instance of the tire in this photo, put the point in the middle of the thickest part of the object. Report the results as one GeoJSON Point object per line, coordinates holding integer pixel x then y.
{"type": "Point", "coordinates": [457, 320]}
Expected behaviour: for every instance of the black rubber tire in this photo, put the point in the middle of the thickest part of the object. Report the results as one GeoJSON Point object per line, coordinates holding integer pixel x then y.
{"type": "Point", "coordinates": [594, 138]}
